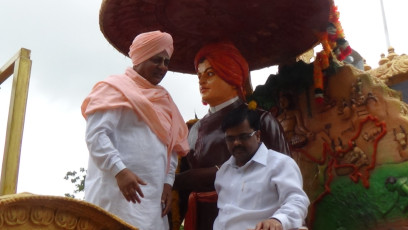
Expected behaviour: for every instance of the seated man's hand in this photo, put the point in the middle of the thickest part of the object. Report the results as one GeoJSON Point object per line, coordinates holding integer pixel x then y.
{"type": "Point", "coordinates": [269, 224]}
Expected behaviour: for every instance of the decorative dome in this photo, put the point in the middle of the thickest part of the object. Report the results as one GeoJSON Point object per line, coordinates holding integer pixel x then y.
{"type": "Point", "coordinates": [267, 32]}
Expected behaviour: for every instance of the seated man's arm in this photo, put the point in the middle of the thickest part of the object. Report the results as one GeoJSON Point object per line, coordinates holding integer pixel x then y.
{"type": "Point", "coordinates": [294, 201]}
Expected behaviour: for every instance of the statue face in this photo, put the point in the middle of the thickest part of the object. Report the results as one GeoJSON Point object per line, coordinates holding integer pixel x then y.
{"type": "Point", "coordinates": [213, 89]}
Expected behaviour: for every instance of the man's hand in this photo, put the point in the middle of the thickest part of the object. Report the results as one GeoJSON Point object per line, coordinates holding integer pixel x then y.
{"type": "Point", "coordinates": [128, 183]}
{"type": "Point", "coordinates": [166, 199]}
{"type": "Point", "coordinates": [269, 224]}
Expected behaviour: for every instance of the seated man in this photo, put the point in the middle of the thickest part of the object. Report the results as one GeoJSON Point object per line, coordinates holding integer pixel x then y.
{"type": "Point", "coordinates": [223, 75]}
{"type": "Point", "coordinates": [257, 188]}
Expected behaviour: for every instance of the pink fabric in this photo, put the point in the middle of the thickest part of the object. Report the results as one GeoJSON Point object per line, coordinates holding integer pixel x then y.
{"type": "Point", "coordinates": [146, 45]}
{"type": "Point", "coordinates": [152, 103]}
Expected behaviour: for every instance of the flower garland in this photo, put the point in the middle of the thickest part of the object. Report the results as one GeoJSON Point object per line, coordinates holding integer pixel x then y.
{"type": "Point", "coordinates": [342, 48]}
{"type": "Point", "coordinates": [321, 63]}
{"type": "Point", "coordinates": [332, 42]}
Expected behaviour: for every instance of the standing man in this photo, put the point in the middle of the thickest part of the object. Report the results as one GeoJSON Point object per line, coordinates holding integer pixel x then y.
{"type": "Point", "coordinates": [257, 188]}
{"type": "Point", "coordinates": [134, 132]}
{"type": "Point", "coordinates": [223, 75]}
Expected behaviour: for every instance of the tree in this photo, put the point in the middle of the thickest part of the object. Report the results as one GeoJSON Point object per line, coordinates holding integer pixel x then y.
{"type": "Point", "coordinates": [78, 179]}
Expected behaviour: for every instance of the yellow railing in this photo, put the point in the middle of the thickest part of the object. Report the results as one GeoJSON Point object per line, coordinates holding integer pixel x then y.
{"type": "Point", "coordinates": [20, 67]}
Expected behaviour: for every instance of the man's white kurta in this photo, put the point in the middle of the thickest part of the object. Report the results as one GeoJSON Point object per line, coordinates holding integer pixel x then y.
{"type": "Point", "coordinates": [267, 186]}
{"type": "Point", "coordinates": [117, 139]}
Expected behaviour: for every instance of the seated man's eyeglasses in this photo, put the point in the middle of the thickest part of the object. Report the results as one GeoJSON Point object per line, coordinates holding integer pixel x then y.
{"type": "Point", "coordinates": [241, 137]}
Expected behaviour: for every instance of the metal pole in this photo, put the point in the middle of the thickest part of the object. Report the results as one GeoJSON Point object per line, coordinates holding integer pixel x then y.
{"type": "Point", "coordinates": [20, 67]}
{"type": "Point", "coordinates": [385, 25]}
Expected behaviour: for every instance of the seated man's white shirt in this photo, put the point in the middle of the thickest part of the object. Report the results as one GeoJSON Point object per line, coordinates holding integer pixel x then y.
{"type": "Point", "coordinates": [267, 186]}
{"type": "Point", "coordinates": [117, 139]}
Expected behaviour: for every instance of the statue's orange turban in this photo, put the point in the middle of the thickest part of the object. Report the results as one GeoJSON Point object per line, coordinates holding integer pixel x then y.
{"type": "Point", "coordinates": [228, 63]}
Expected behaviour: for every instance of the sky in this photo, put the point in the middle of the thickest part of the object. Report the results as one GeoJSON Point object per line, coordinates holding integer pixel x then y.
{"type": "Point", "coordinates": [70, 54]}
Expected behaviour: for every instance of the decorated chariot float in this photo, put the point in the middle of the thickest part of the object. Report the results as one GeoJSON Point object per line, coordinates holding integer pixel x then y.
{"type": "Point", "coordinates": [347, 124]}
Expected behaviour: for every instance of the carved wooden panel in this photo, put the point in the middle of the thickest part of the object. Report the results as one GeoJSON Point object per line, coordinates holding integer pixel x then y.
{"type": "Point", "coordinates": [26, 211]}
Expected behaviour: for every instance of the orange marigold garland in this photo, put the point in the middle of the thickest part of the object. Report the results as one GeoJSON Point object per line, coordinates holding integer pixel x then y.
{"type": "Point", "coordinates": [331, 40]}
{"type": "Point", "coordinates": [341, 47]}
{"type": "Point", "coordinates": [321, 63]}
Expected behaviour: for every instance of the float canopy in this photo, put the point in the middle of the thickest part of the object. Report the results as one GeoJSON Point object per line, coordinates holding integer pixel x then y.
{"type": "Point", "coordinates": [267, 32]}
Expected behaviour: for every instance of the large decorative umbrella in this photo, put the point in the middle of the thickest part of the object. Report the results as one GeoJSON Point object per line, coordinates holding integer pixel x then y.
{"type": "Point", "coordinates": [267, 32]}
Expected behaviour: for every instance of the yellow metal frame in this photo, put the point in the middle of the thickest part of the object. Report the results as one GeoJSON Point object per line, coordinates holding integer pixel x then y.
{"type": "Point", "coordinates": [20, 67]}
